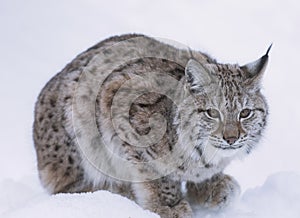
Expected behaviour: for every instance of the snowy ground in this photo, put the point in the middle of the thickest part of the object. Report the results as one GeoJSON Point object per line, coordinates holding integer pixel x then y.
{"type": "Point", "coordinates": [39, 37]}
{"type": "Point", "coordinates": [278, 197]}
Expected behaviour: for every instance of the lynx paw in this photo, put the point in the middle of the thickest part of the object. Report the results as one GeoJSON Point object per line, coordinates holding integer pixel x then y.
{"type": "Point", "coordinates": [215, 193]}
{"type": "Point", "coordinates": [181, 210]}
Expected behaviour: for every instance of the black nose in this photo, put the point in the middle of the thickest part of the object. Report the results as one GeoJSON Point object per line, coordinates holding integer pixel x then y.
{"type": "Point", "coordinates": [231, 140]}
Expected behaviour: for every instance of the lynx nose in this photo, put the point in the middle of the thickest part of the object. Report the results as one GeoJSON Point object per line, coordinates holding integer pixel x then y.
{"type": "Point", "coordinates": [230, 140]}
{"type": "Point", "coordinates": [231, 133]}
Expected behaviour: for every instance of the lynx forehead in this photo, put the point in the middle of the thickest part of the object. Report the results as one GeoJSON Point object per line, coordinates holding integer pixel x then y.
{"type": "Point", "coordinates": [136, 116]}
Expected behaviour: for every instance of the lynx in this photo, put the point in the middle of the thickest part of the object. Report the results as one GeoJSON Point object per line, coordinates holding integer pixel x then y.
{"type": "Point", "coordinates": [154, 122]}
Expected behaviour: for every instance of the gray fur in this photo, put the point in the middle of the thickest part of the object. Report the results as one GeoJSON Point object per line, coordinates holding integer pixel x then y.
{"type": "Point", "coordinates": [176, 140]}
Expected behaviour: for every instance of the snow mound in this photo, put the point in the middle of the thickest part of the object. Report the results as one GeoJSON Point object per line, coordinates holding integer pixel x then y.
{"type": "Point", "coordinates": [92, 205]}
{"type": "Point", "coordinates": [278, 197]}
{"type": "Point", "coordinates": [17, 200]}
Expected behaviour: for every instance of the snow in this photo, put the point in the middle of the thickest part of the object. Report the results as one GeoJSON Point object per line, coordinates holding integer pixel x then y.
{"type": "Point", "coordinates": [39, 37]}
{"type": "Point", "coordinates": [278, 197]}
{"type": "Point", "coordinates": [20, 200]}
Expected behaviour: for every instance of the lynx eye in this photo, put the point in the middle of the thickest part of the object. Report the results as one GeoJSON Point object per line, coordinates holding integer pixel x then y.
{"type": "Point", "coordinates": [213, 113]}
{"type": "Point", "coordinates": [245, 113]}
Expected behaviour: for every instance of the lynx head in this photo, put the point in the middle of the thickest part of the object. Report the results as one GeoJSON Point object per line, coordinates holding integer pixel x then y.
{"type": "Point", "coordinates": [230, 112]}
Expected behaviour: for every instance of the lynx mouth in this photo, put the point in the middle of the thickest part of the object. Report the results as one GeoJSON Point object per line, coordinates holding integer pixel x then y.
{"type": "Point", "coordinates": [226, 147]}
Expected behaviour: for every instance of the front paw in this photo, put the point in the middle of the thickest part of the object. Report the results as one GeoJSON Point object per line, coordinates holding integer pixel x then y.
{"type": "Point", "coordinates": [214, 193]}
{"type": "Point", "coordinates": [181, 210]}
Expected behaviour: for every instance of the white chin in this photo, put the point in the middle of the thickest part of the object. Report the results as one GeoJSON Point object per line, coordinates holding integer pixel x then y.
{"type": "Point", "coordinates": [228, 152]}
{"type": "Point", "coordinates": [215, 155]}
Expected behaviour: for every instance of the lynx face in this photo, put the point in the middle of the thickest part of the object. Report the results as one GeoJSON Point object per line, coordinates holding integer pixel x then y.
{"type": "Point", "coordinates": [229, 106]}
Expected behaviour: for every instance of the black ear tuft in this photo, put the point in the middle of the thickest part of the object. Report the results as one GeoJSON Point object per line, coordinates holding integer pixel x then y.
{"type": "Point", "coordinates": [267, 53]}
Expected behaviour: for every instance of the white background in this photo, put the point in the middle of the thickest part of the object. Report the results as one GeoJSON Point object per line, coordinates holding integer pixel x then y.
{"type": "Point", "coordinates": [37, 39]}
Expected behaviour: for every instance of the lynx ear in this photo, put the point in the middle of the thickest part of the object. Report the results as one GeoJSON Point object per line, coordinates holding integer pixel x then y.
{"type": "Point", "coordinates": [256, 69]}
{"type": "Point", "coordinates": [197, 75]}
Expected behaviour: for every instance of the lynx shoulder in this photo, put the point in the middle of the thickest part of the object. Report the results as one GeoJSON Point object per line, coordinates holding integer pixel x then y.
{"type": "Point", "coordinates": [139, 116]}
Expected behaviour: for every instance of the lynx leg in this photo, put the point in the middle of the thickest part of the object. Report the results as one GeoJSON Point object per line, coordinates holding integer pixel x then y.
{"type": "Point", "coordinates": [214, 193]}
{"type": "Point", "coordinates": [59, 179]}
{"type": "Point", "coordinates": [163, 197]}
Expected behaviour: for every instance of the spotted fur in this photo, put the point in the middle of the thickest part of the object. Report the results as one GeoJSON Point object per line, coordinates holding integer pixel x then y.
{"type": "Point", "coordinates": [198, 136]}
